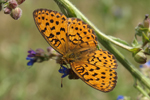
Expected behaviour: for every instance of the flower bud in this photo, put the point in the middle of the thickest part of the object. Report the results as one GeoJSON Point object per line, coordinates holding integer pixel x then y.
{"type": "Point", "coordinates": [20, 1]}
{"type": "Point", "coordinates": [143, 27]}
{"type": "Point", "coordinates": [140, 57]}
{"type": "Point", "coordinates": [146, 21]}
{"type": "Point", "coordinates": [7, 10]}
{"type": "Point", "coordinates": [40, 52]}
{"type": "Point", "coordinates": [16, 13]}
{"type": "Point", "coordinates": [50, 49]}
{"type": "Point", "coordinates": [12, 4]}
{"type": "Point", "coordinates": [138, 30]}
{"type": "Point", "coordinates": [140, 25]}
{"type": "Point", "coordinates": [147, 50]}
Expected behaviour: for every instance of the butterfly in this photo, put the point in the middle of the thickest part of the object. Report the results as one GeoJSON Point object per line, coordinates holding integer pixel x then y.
{"type": "Point", "coordinates": [77, 44]}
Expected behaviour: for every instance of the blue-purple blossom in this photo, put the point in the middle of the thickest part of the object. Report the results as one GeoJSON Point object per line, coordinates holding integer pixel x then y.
{"type": "Point", "coordinates": [64, 70]}
{"type": "Point", "coordinates": [120, 97]}
{"type": "Point", "coordinates": [31, 53]}
{"type": "Point", "coordinates": [31, 57]}
{"type": "Point", "coordinates": [32, 61]}
{"type": "Point", "coordinates": [141, 66]}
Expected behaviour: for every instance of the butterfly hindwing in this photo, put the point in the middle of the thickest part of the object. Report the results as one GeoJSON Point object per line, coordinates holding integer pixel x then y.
{"type": "Point", "coordinates": [96, 71]}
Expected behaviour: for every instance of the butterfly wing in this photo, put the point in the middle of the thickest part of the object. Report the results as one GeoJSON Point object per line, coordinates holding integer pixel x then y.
{"type": "Point", "coordinates": [80, 35]}
{"type": "Point", "coordinates": [54, 27]}
{"type": "Point", "coordinates": [97, 70]}
{"type": "Point", "coordinates": [102, 58]}
{"type": "Point", "coordinates": [64, 35]}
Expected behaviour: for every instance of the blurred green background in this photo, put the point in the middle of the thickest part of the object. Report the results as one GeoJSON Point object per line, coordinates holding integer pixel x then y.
{"type": "Point", "coordinates": [42, 81]}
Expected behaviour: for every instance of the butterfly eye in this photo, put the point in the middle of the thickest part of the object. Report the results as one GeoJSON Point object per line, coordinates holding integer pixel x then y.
{"type": "Point", "coordinates": [72, 55]}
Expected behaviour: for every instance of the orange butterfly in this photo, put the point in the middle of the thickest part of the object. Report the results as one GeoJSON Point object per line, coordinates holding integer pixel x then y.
{"type": "Point", "coordinates": [77, 43]}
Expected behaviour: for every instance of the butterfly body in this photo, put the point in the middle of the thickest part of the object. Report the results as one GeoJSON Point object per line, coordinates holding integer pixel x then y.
{"type": "Point", "coordinates": [77, 44]}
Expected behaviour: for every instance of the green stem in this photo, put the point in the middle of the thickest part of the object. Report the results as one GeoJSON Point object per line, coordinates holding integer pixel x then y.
{"type": "Point", "coordinates": [105, 41]}
{"type": "Point", "coordinates": [138, 87]}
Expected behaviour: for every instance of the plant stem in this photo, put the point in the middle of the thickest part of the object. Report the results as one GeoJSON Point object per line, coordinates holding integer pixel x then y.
{"type": "Point", "coordinates": [141, 90]}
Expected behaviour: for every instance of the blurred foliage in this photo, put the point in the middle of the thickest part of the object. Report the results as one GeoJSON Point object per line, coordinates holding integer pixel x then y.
{"type": "Point", "coordinates": [42, 81]}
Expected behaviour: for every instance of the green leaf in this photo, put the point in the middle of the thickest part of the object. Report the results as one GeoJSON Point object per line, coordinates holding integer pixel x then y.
{"type": "Point", "coordinates": [136, 44]}
{"type": "Point", "coordinates": [119, 40]}
{"type": "Point", "coordinates": [145, 38]}
{"type": "Point", "coordinates": [139, 31]}
{"type": "Point", "coordinates": [135, 50]}
{"type": "Point", "coordinates": [147, 51]}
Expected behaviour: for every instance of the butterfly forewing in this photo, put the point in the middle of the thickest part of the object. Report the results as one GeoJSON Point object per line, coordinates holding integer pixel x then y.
{"type": "Point", "coordinates": [53, 27]}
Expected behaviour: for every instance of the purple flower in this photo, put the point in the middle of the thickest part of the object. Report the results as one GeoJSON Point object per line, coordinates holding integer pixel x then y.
{"type": "Point", "coordinates": [120, 97]}
{"type": "Point", "coordinates": [31, 57]}
{"type": "Point", "coordinates": [32, 53]}
{"type": "Point", "coordinates": [64, 70]}
{"type": "Point", "coordinates": [32, 61]}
